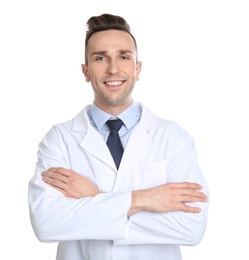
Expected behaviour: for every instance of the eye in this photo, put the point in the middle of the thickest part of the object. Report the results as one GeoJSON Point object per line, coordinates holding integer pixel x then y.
{"type": "Point", "coordinates": [124, 58]}
{"type": "Point", "coordinates": [100, 58]}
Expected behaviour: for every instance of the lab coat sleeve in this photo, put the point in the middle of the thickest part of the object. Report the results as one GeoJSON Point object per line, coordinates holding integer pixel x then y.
{"type": "Point", "coordinates": [56, 218]}
{"type": "Point", "coordinates": [173, 227]}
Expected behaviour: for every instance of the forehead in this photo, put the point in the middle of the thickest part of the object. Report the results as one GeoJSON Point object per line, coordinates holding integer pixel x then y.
{"type": "Point", "coordinates": [111, 39]}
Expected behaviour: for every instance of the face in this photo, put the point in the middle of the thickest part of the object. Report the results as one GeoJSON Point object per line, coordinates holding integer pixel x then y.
{"type": "Point", "coordinates": [112, 69]}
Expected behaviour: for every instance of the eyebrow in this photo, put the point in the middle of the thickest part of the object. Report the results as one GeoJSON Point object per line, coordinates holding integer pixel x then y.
{"type": "Point", "coordinates": [105, 52]}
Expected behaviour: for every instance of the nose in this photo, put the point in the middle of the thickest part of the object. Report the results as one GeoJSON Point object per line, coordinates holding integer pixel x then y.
{"type": "Point", "coordinates": [113, 67]}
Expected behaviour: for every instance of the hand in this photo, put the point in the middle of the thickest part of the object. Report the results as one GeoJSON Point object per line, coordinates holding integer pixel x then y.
{"type": "Point", "coordinates": [168, 197]}
{"type": "Point", "coordinates": [70, 183]}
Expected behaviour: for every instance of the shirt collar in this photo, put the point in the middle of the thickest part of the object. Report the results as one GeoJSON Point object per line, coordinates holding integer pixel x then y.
{"type": "Point", "coordinates": [129, 117]}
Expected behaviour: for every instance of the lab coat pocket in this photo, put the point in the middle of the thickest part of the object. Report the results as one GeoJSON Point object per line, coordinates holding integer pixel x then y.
{"type": "Point", "coordinates": [150, 174]}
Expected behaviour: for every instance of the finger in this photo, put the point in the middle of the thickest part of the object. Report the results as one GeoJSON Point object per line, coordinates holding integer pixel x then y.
{"type": "Point", "coordinates": [189, 195]}
{"type": "Point", "coordinates": [54, 183]}
{"type": "Point", "coordinates": [185, 185]}
{"type": "Point", "coordinates": [49, 176]}
{"type": "Point", "coordinates": [59, 170]}
{"type": "Point", "coordinates": [191, 185]}
{"type": "Point", "coordinates": [55, 172]}
{"type": "Point", "coordinates": [195, 193]}
{"type": "Point", "coordinates": [187, 198]}
{"type": "Point", "coordinates": [190, 209]}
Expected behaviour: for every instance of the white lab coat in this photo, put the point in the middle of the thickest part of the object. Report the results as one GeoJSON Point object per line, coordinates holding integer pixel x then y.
{"type": "Point", "coordinates": [97, 228]}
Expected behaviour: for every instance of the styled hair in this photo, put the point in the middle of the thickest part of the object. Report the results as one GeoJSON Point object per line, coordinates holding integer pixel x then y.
{"type": "Point", "coordinates": [106, 22]}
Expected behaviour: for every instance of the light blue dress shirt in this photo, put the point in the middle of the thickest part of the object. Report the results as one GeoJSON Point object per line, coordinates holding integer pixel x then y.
{"type": "Point", "coordinates": [130, 117]}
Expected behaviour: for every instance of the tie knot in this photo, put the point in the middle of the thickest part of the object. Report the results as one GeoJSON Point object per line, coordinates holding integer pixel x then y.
{"type": "Point", "coordinates": [114, 124]}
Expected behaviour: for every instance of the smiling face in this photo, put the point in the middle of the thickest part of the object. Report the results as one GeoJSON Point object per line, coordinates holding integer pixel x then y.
{"type": "Point", "coordinates": [112, 69]}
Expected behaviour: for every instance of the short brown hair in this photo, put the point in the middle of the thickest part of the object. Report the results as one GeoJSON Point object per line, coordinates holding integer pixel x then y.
{"type": "Point", "coordinates": [106, 22]}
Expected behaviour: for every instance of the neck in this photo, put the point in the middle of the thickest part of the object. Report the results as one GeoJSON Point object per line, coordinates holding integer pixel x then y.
{"type": "Point", "coordinates": [114, 110]}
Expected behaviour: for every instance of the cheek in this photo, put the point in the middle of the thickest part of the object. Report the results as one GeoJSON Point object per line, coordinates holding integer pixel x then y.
{"type": "Point", "coordinates": [130, 70]}
{"type": "Point", "coordinates": [133, 72]}
{"type": "Point", "coordinates": [95, 72]}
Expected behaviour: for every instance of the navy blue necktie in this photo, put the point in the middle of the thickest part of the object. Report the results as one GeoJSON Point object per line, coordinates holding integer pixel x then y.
{"type": "Point", "coordinates": [113, 141]}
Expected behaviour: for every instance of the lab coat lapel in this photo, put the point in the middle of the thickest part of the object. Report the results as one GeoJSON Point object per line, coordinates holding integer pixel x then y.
{"type": "Point", "coordinates": [94, 144]}
{"type": "Point", "coordinates": [92, 141]}
{"type": "Point", "coordinates": [138, 145]}
{"type": "Point", "coordinates": [140, 142]}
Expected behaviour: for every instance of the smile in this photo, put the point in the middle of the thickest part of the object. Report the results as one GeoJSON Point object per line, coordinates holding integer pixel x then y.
{"type": "Point", "coordinates": [114, 83]}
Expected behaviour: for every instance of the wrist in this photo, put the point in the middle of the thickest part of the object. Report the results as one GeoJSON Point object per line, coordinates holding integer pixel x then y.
{"type": "Point", "coordinates": [137, 202]}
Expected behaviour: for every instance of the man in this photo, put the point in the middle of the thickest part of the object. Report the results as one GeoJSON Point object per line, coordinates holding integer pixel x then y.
{"type": "Point", "coordinates": [142, 208]}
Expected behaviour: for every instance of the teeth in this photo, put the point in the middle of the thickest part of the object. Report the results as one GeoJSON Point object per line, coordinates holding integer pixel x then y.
{"type": "Point", "coordinates": [113, 83]}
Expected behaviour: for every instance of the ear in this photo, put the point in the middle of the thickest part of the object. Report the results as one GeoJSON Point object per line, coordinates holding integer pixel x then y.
{"type": "Point", "coordinates": [85, 72]}
{"type": "Point", "coordinates": [138, 69]}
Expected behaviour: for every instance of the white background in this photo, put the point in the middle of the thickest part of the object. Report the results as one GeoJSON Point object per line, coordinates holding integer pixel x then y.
{"type": "Point", "coordinates": [195, 58]}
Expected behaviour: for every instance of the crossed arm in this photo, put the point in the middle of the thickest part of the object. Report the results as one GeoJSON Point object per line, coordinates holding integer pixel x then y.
{"type": "Point", "coordinates": [163, 198]}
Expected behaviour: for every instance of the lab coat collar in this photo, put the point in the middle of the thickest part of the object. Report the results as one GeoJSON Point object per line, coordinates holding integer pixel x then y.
{"type": "Point", "coordinates": [81, 122]}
